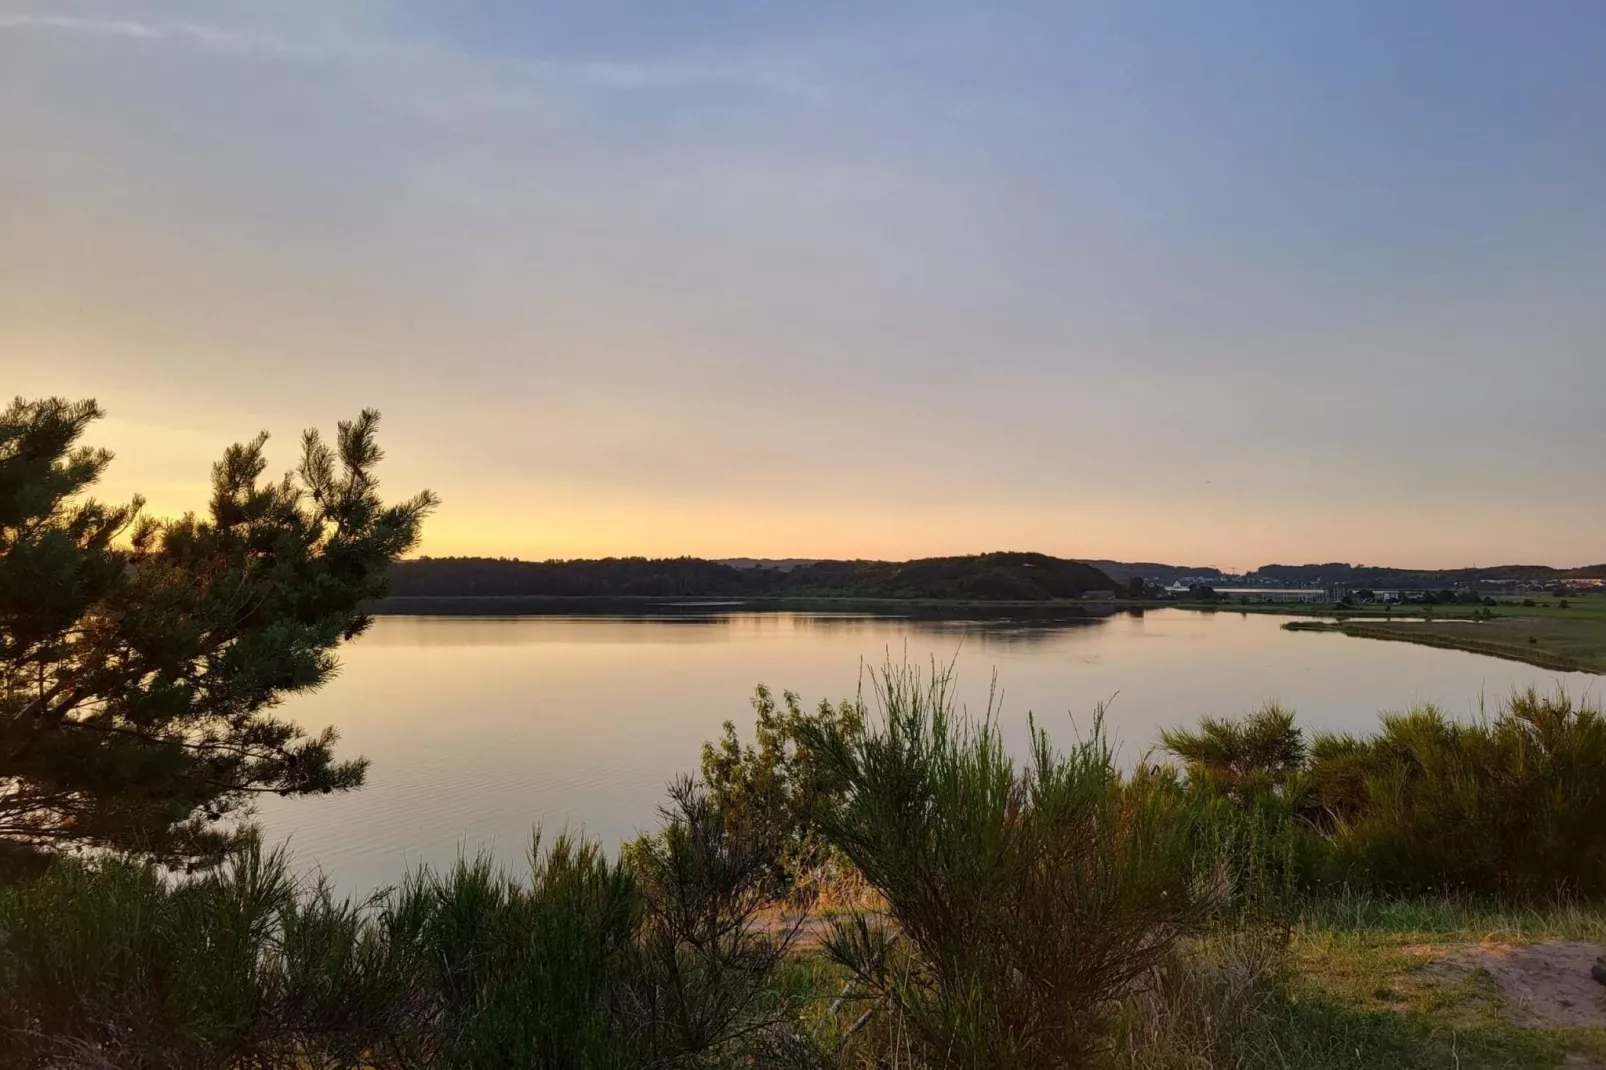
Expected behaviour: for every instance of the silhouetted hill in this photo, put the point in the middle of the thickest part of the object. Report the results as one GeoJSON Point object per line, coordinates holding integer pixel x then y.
{"type": "Point", "coordinates": [785, 564]}
{"type": "Point", "coordinates": [997, 576]}
{"type": "Point", "coordinates": [992, 576]}
{"type": "Point", "coordinates": [1123, 571]}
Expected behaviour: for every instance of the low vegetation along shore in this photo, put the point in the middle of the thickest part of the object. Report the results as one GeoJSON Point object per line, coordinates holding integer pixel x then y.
{"type": "Point", "coordinates": [1561, 635]}
{"type": "Point", "coordinates": [884, 886]}
{"type": "Point", "coordinates": [876, 884]}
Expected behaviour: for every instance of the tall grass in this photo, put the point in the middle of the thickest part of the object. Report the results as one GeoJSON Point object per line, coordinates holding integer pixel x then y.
{"type": "Point", "coordinates": [517, 974]}
{"type": "Point", "coordinates": [1451, 915]}
{"type": "Point", "coordinates": [1200, 1006]}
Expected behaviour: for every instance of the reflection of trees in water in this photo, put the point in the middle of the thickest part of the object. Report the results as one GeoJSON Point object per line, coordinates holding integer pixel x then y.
{"type": "Point", "coordinates": [985, 625]}
{"type": "Point", "coordinates": [1004, 627]}
{"type": "Point", "coordinates": [987, 630]}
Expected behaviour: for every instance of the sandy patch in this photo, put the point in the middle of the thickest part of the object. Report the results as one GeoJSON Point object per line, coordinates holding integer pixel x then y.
{"type": "Point", "coordinates": [1548, 984]}
{"type": "Point", "coordinates": [1545, 985]}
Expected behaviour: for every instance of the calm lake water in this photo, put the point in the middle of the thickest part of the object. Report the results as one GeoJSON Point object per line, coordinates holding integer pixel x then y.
{"type": "Point", "coordinates": [481, 728]}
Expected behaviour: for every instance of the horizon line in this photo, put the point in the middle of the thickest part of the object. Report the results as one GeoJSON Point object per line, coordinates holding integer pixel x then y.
{"type": "Point", "coordinates": [719, 559]}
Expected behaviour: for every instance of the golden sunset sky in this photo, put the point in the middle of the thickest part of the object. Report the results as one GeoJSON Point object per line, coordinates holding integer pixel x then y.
{"type": "Point", "coordinates": [1213, 284]}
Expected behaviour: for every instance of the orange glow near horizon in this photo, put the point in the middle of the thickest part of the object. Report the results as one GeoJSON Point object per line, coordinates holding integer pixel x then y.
{"type": "Point", "coordinates": [1224, 529]}
{"type": "Point", "coordinates": [737, 286]}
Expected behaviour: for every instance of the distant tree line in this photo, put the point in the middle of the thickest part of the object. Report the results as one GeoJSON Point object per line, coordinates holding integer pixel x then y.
{"type": "Point", "coordinates": [999, 576]}
{"type": "Point", "coordinates": [986, 577]}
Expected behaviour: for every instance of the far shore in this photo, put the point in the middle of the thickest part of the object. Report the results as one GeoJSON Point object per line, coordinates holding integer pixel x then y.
{"type": "Point", "coordinates": [1549, 634]}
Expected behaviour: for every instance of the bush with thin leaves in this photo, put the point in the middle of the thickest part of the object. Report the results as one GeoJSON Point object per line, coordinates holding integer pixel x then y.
{"type": "Point", "coordinates": [1514, 805]}
{"type": "Point", "coordinates": [1265, 833]}
{"type": "Point", "coordinates": [518, 974]}
{"type": "Point", "coordinates": [705, 954]}
{"type": "Point", "coordinates": [1020, 902]}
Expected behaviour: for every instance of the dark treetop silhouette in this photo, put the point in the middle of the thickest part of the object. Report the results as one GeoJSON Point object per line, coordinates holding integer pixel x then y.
{"type": "Point", "coordinates": [140, 659]}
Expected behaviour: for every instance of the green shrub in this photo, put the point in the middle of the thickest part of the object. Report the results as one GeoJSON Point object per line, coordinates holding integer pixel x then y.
{"type": "Point", "coordinates": [663, 961]}
{"type": "Point", "coordinates": [1019, 902]}
{"type": "Point", "coordinates": [775, 789]}
{"type": "Point", "coordinates": [1514, 806]}
{"type": "Point", "coordinates": [111, 964]}
{"type": "Point", "coordinates": [519, 975]}
{"type": "Point", "coordinates": [706, 951]}
{"type": "Point", "coordinates": [1265, 817]}
{"type": "Point", "coordinates": [1259, 753]}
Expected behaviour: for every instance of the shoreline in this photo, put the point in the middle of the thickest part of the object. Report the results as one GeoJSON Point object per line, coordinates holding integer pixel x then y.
{"type": "Point", "coordinates": [1570, 640]}
{"type": "Point", "coordinates": [500, 604]}
{"type": "Point", "coordinates": [1506, 646]}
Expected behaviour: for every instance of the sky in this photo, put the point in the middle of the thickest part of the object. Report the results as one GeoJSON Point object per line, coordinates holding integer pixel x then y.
{"type": "Point", "coordinates": [1216, 284]}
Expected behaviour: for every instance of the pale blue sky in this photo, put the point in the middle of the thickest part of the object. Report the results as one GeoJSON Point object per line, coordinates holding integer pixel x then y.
{"type": "Point", "coordinates": [1224, 282]}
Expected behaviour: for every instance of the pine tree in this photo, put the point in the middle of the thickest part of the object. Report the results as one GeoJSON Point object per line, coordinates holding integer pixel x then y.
{"type": "Point", "coordinates": [141, 660]}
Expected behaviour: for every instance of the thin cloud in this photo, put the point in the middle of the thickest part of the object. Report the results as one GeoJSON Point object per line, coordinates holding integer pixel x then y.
{"type": "Point", "coordinates": [617, 75]}
{"type": "Point", "coordinates": [213, 37]}
{"type": "Point", "coordinates": [588, 74]}
{"type": "Point", "coordinates": [96, 27]}
{"type": "Point", "coordinates": [237, 41]}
